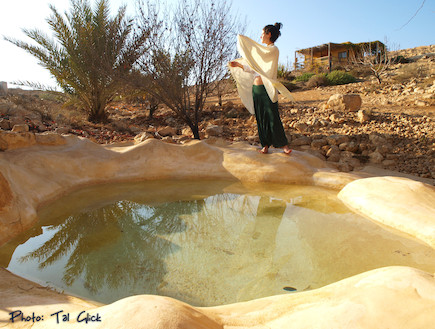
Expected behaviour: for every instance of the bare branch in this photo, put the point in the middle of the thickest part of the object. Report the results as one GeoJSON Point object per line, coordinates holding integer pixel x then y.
{"type": "Point", "coordinates": [422, 4]}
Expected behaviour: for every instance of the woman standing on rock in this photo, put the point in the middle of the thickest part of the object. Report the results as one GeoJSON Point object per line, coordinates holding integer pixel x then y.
{"type": "Point", "coordinates": [256, 77]}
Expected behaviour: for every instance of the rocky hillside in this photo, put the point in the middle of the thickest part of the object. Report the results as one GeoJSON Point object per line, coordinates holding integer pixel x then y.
{"type": "Point", "coordinates": [390, 126]}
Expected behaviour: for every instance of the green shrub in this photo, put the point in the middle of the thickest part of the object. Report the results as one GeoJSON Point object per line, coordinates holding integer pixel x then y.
{"type": "Point", "coordinates": [284, 72]}
{"type": "Point", "coordinates": [289, 85]}
{"type": "Point", "coordinates": [340, 78]}
{"type": "Point", "coordinates": [318, 80]}
{"type": "Point", "coordinates": [304, 77]}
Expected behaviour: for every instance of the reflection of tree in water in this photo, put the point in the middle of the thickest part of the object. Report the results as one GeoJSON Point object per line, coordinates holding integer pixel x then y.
{"type": "Point", "coordinates": [116, 244]}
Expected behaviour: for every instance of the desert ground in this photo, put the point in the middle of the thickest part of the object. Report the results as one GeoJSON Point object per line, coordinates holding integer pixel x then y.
{"type": "Point", "coordinates": [392, 129]}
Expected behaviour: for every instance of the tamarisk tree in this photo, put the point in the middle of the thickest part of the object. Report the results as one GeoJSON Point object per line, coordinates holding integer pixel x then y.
{"type": "Point", "coordinates": [188, 50]}
{"type": "Point", "coordinates": [375, 56]}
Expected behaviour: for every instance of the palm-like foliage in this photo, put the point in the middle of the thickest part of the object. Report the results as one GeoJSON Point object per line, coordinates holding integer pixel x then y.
{"type": "Point", "coordinates": [90, 54]}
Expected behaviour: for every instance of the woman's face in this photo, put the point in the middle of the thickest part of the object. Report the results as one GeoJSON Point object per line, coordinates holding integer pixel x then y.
{"type": "Point", "coordinates": [265, 38]}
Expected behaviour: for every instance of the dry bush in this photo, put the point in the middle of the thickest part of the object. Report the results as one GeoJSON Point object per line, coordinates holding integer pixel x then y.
{"type": "Point", "coordinates": [410, 71]}
{"type": "Point", "coordinates": [317, 80]}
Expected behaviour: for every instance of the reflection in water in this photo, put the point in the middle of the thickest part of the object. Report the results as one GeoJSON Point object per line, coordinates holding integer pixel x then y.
{"type": "Point", "coordinates": [114, 244]}
{"type": "Point", "coordinates": [206, 244]}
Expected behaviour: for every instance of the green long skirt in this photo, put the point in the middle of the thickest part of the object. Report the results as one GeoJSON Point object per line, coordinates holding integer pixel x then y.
{"type": "Point", "coordinates": [270, 129]}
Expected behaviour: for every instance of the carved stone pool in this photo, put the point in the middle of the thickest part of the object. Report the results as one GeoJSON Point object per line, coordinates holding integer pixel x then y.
{"type": "Point", "coordinates": [206, 243]}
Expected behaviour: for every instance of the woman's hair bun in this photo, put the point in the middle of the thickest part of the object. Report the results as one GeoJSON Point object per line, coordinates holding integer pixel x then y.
{"type": "Point", "coordinates": [278, 26]}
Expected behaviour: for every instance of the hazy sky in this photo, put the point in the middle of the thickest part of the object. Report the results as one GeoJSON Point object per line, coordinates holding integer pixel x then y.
{"type": "Point", "coordinates": [305, 23]}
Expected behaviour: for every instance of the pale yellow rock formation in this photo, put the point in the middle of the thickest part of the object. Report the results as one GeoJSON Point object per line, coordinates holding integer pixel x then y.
{"type": "Point", "coordinates": [393, 297]}
{"type": "Point", "coordinates": [401, 203]}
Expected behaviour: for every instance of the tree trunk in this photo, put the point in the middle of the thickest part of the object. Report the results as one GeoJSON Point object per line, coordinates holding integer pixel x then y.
{"type": "Point", "coordinates": [195, 131]}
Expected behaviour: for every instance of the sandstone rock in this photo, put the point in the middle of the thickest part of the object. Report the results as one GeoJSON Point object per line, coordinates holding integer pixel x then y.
{"type": "Point", "coordinates": [20, 128]}
{"type": "Point", "coordinates": [301, 127]}
{"type": "Point", "coordinates": [253, 139]}
{"type": "Point", "coordinates": [318, 143]}
{"type": "Point", "coordinates": [317, 153]}
{"type": "Point", "coordinates": [4, 124]}
{"type": "Point", "coordinates": [304, 140]}
{"type": "Point", "coordinates": [49, 138]}
{"type": "Point", "coordinates": [167, 131]}
{"type": "Point", "coordinates": [10, 140]}
{"type": "Point", "coordinates": [333, 153]}
{"type": "Point", "coordinates": [62, 130]}
{"type": "Point", "coordinates": [376, 157]}
{"type": "Point", "coordinates": [377, 140]}
{"type": "Point", "coordinates": [363, 116]}
{"type": "Point", "coordinates": [336, 118]}
{"type": "Point", "coordinates": [344, 166]}
{"type": "Point", "coordinates": [139, 138]}
{"type": "Point", "coordinates": [348, 102]}
{"type": "Point", "coordinates": [337, 139]}
{"type": "Point", "coordinates": [214, 130]}
{"type": "Point", "coordinates": [187, 131]}
{"type": "Point", "coordinates": [168, 139]}
{"type": "Point", "coordinates": [420, 103]}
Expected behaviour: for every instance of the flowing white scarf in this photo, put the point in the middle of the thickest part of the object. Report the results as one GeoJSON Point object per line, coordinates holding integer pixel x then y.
{"type": "Point", "coordinates": [264, 61]}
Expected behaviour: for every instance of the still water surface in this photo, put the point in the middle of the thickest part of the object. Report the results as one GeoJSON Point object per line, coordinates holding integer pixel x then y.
{"type": "Point", "coordinates": [205, 243]}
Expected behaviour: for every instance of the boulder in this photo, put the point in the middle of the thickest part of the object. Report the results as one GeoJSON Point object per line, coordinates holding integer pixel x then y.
{"type": "Point", "coordinates": [4, 124]}
{"type": "Point", "coordinates": [318, 143]}
{"type": "Point", "coordinates": [214, 130]}
{"type": "Point", "coordinates": [21, 128]}
{"type": "Point", "coordinates": [49, 138]}
{"type": "Point", "coordinates": [62, 130]}
{"type": "Point", "coordinates": [347, 102]}
{"type": "Point", "coordinates": [10, 140]}
{"type": "Point", "coordinates": [363, 116]}
{"type": "Point", "coordinates": [304, 140]}
{"type": "Point", "coordinates": [376, 157]}
{"type": "Point", "coordinates": [167, 131]}
{"type": "Point", "coordinates": [333, 153]}
{"type": "Point", "coordinates": [337, 139]}
{"type": "Point", "coordinates": [139, 138]}
{"type": "Point", "coordinates": [301, 127]}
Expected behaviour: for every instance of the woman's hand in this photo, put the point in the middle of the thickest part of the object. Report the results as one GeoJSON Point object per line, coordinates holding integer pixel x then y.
{"type": "Point", "coordinates": [236, 64]}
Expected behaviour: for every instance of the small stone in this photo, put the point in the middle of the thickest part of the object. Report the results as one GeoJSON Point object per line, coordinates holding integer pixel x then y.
{"type": "Point", "coordinates": [139, 138]}
{"type": "Point", "coordinates": [5, 124]}
{"type": "Point", "coordinates": [167, 131]}
{"type": "Point", "coordinates": [318, 143]}
{"type": "Point", "coordinates": [62, 130]}
{"type": "Point", "coordinates": [214, 130]}
{"type": "Point", "coordinates": [20, 128]}
{"type": "Point", "coordinates": [376, 157]}
{"type": "Point", "coordinates": [304, 140]}
{"type": "Point", "coordinates": [363, 116]}
{"type": "Point", "coordinates": [301, 127]}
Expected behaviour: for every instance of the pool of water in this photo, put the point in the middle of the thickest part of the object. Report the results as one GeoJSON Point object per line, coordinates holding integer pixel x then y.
{"type": "Point", "coordinates": [205, 243]}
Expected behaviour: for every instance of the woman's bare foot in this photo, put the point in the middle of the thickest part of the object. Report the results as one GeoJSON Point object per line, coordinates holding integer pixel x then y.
{"type": "Point", "coordinates": [287, 150]}
{"type": "Point", "coordinates": [264, 150]}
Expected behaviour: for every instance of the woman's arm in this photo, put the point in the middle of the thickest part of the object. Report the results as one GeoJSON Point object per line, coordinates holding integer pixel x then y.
{"type": "Point", "coordinates": [245, 68]}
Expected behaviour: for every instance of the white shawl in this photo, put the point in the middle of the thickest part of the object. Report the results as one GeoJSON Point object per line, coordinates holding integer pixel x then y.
{"type": "Point", "coordinates": [264, 61]}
